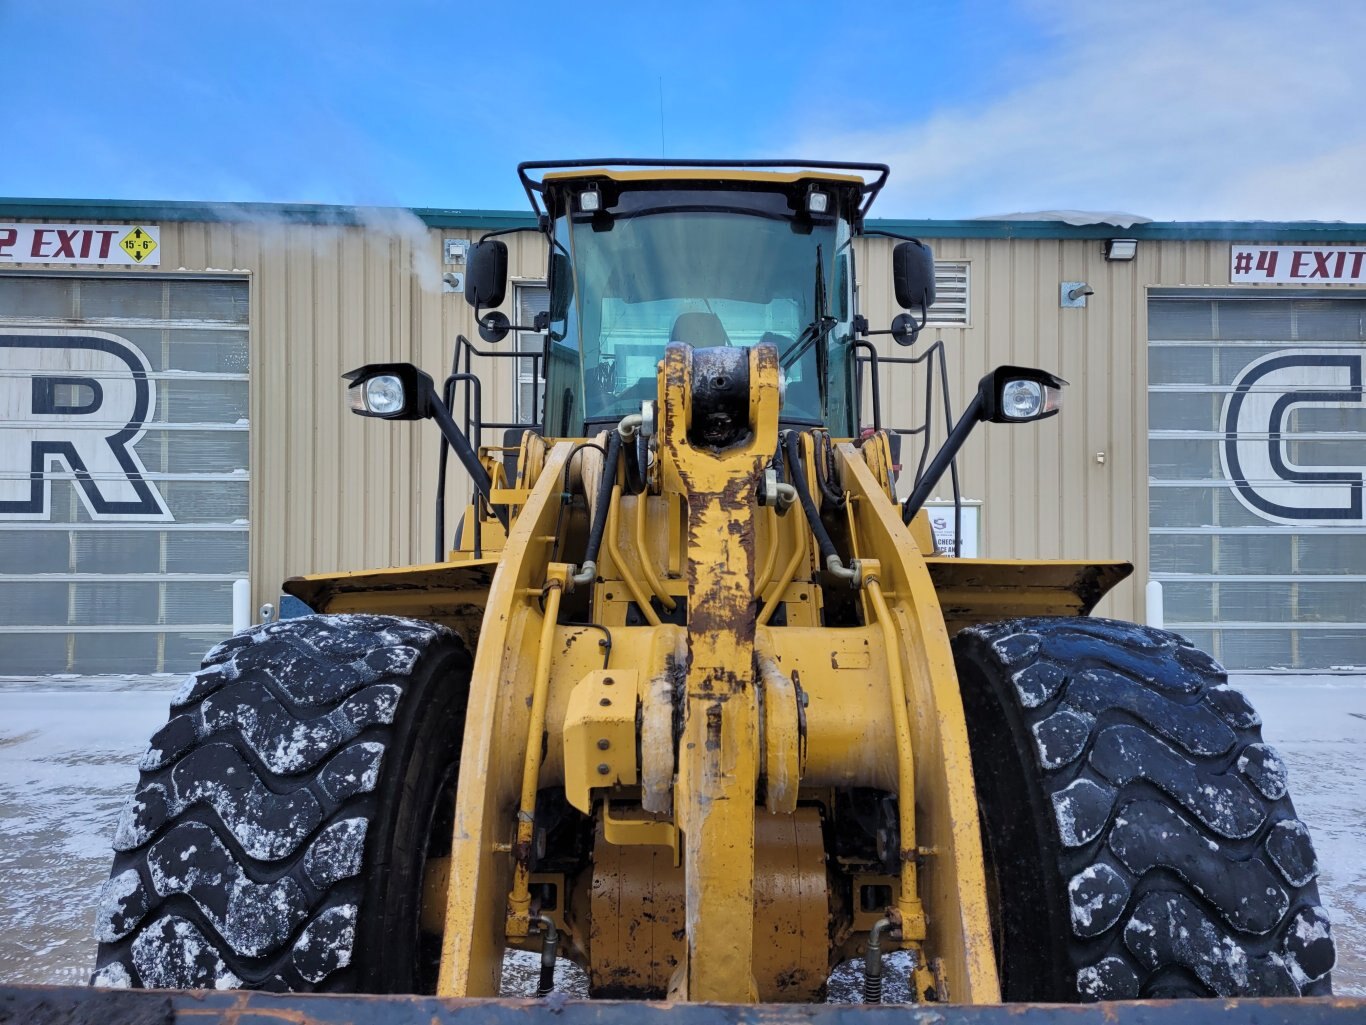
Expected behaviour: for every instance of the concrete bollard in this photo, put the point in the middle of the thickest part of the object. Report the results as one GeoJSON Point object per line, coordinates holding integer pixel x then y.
{"type": "Point", "coordinates": [241, 605]}
{"type": "Point", "coordinates": [1153, 597]}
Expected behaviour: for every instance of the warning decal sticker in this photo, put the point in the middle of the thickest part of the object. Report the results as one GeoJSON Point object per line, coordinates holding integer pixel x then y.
{"type": "Point", "coordinates": [139, 245]}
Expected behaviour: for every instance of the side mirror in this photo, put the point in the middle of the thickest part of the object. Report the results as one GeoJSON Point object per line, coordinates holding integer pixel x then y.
{"type": "Point", "coordinates": [391, 391]}
{"type": "Point", "coordinates": [486, 274]}
{"type": "Point", "coordinates": [913, 275]}
{"type": "Point", "coordinates": [560, 277]}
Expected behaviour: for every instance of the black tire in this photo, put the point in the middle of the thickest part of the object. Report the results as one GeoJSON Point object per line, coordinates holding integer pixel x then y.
{"type": "Point", "coordinates": [1138, 835]}
{"type": "Point", "coordinates": [283, 818]}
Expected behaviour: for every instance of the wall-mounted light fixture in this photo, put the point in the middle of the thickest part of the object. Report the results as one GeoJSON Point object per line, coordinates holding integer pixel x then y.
{"type": "Point", "coordinates": [1121, 248]}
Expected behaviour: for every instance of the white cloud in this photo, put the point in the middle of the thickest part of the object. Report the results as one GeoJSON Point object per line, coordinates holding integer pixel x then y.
{"type": "Point", "coordinates": [1193, 110]}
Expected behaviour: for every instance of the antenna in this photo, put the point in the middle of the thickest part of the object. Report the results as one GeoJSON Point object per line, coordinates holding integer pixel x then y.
{"type": "Point", "coordinates": [661, 115]}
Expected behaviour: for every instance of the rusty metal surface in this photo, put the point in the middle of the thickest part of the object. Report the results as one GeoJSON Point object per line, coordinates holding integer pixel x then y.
{"type": "Point", "coordinates": [987, 590]}
{"type": "Point", "coordinates": [638, 913]}
{"type": "Point", "coordinates": [717, 765]}
{"type": "Point", "coordinates": [453, 594]}
{"type": "Point", "coordinates": [71, 1005]}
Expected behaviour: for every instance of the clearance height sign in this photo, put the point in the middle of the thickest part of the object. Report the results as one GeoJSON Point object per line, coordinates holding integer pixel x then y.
{"type": "Point", "coordinates": [119, 244]}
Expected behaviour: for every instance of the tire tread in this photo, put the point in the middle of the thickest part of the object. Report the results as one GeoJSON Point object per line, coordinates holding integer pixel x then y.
{"type": "Point", "coordinates": [238, 859]}
{"type": "Point", "coordinates": [1184, 868]}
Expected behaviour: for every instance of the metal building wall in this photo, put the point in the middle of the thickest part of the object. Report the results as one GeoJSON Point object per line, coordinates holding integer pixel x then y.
{"type": "Point", "coordinates": [1046, 493]}
{"type": "Point", "coordinates": [330, 490]}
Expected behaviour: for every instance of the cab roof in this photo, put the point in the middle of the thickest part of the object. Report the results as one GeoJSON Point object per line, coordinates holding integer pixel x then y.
{"type": "Point", "coordinates": [867, 178]}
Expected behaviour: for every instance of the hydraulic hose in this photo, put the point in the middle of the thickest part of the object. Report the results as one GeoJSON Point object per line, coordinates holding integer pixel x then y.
{"type": "Point", "coordinates": [829, 556]}
{"type": "Point", "coordinates": [872, 963]}
{"type": "Point", "coordinates": [825, 468]}
{"type": "Point", "coordinates": [636, 461]}
{"type": "Point", "coordinates": [589, 568]}
{"type": "Point", "coordinates": [549, 949]}
{"type": "Point", "coordinates": [637, 453]}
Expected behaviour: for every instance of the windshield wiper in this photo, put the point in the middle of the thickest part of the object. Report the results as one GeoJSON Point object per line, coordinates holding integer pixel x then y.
{"type": "Point", "coordinates": [811, 334]}
{"type": "Point", "coordinates": [819, 327]}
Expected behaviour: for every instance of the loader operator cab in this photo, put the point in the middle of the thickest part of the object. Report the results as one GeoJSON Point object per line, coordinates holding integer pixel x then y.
{"type": "Point", "coordinates": [641, 261]}
{"type": "Point", "coordinates": [711, 255]}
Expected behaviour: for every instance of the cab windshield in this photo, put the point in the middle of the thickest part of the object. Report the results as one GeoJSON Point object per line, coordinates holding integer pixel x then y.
{"type": "Point", "coordinates": [707, 267]}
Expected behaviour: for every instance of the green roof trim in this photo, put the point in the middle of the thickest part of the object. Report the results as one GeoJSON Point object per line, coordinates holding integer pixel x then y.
{"type": "Point", "coordinates": [59, 210]}
{"type": "Point", "coordinates": [1309, 232]}
{"type": "Point", "coordinates": [236, 213]}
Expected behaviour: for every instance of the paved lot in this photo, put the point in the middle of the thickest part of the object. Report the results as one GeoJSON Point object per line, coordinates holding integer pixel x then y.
{"type": "Point", "coordinates": [68, 751]}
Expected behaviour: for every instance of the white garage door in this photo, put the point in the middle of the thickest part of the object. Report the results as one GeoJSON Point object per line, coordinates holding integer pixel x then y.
{"type": "Point", "coordinates": [123, 470]}
{"type": "Point", "coordinates": [1256, 452]}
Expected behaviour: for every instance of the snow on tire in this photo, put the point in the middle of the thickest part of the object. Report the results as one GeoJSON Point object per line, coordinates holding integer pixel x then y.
{"type": "Point", "coordinates": [1139, 836]}
{"type": "Point", "coordinates": [301, 753]}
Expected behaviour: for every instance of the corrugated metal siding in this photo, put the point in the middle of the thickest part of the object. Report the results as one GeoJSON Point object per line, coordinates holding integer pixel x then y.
{"type": "Point", "coordinates": [1045, 495]}
{"type": "Point", "coordinates": [333, 491]}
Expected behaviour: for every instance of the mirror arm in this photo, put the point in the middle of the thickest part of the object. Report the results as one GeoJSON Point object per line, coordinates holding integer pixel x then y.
{"type": "Point", "coordinates": [511, 231]}
{"type": "Point", "coordinates": [970, 418]}
{"type": "Point", "coordinates": [464, 451]}
{"type": "Point", "coordinates": [880, 233]}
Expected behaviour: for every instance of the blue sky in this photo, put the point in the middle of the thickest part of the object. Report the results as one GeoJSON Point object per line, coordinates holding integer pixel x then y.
{"type": "Point", "coordinates": [1192, 109]}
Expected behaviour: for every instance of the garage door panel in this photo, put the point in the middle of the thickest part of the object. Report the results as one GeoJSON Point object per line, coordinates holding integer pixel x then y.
{"type": "Point", "coordinates": [30, 654]}
{"type": "Point", "coordinates": [124, 651]}
{"type": "Point", "coordinates": [208, 352]}
{"type": "Point", "coordinates": [1181, 553]}
{"type": "Point", "coordinates": [106, 603]}
{"type": "Point", "coordinates": [114, 299]}
{"type": "Point", "coordinates": [148, 540]}
{"type": "Point", "coordinates": [1327, 554]}
{"type": "Point", "coordinates": [197, 452]}
{"type": "Point", "coordinates": [34, 552]}
{"type": "Point", "coordinates": [1319, 320]}
{"type": "Point", "coordinates": [215, 300]}
{"type": "Point", "coordinates": [115, 551]}
{"type": "Point", "coordinates": [1327, 419]}
{"type": "Point", "coordinates": [1183, 459]}
{"type": "Point", "coordinates": [206, 552]}
{"type": "Point", "coordinates": [206, 501]}
{"type": "Point", "coordinates": [1181, 364]}
{"type": "Point", "coordinates": [1265, 553]}
{"type": "Point", "coordinates": [1259, 649]}
{"type": "Point", "coordinates": [187, 649]}
{"type": "Point", "coordinates": [186, 400]}
{"type": "Point", "coordinates": [1185, 411]}
{"type": "Point", "coordinates": [1268, 504]}
{"type": "Point", "coordinates": [187, 347]}
{"type": "Point", "coordinates": [190, 603]}
{"type": "Point", "coordinates": [33, 603]}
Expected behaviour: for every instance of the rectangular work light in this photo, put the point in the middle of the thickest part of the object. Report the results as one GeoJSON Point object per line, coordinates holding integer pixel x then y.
{"type": "Point", "coordinates": [1121, 248]}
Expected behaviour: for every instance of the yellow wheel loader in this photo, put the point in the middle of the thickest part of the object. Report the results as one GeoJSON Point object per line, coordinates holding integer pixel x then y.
{"type": "Point", "coordinates": [689, 699]}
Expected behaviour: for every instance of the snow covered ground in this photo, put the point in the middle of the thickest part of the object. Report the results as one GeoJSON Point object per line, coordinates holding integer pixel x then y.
{"type": "Point", "coordinates": [69, 746]}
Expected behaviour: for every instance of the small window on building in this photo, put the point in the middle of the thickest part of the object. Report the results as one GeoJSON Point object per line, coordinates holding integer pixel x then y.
{"type": "Point", "coordinates": [532, 298]}
{"type": "Point", "coordinates": [952, 293]}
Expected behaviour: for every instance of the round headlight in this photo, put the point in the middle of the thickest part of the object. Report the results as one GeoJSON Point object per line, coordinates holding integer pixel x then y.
{"type": "Point", "coordinates": [384, 395]}
{"type": "Point", "coordinates": [1022, 400]}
